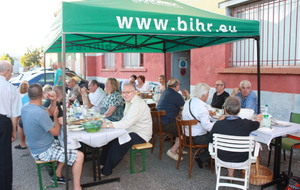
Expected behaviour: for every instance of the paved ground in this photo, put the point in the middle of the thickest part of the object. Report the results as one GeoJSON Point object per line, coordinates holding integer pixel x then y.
{"type": "Point", "coordinates": [159, 175]}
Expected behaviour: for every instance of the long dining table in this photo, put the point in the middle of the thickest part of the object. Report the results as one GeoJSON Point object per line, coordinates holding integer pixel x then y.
{"type": "Point", "coordinates": [95, 140]}
{"type": "Point", "coordinates": [265, 135]}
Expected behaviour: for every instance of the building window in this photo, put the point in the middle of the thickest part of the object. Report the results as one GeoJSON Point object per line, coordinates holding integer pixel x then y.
{"type": "Point", "coordinates": [280, 34]}
{"type": "Point", "coordinates": [109, 60]}
{"type": "Point", "coordinates": [133, 60]}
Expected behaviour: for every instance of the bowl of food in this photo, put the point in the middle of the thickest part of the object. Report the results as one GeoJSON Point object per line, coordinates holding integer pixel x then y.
{"type": "Point", "coordinates": [92, 126]}
{"type": "Point", "coordinates": [246, 113]}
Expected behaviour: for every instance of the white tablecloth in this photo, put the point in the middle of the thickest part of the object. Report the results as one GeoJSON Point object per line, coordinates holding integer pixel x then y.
{"type": "Point", "coordinates": [265, 135]}
{"type": "Point", "coordinates": [96, 139]}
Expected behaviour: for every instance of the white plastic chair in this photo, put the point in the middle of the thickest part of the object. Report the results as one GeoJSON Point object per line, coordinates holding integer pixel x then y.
{"type": "Point", "coordinates": [233, 144]}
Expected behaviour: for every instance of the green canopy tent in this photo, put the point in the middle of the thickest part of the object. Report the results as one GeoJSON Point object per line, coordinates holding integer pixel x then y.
{"type": "Point", "coordinates": [146, 26]}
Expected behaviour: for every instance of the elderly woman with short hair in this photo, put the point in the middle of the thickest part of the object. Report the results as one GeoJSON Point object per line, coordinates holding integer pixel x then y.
{"type": "Point", "coordinates": [112, 105]}
{"type": "Point", "coordinates": [232, 124]}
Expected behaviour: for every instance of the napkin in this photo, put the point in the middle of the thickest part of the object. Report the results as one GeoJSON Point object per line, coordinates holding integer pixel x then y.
{"type": "Point", "coordinates": [265, 129]}
{"type": "Point", "coordinates": [124, 138]}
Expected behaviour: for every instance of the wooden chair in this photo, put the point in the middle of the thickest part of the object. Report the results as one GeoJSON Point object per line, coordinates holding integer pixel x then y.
{"type": "Point", "coordinates": [158, 131]}
{"type": "Point", "coordinates": [187, 142]}
{"type": "Point", "coordinates": [152, 106]}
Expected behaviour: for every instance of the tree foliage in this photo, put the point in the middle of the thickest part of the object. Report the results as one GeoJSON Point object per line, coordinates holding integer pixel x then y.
{"type": "Point", "coordinates": [7, 58]}
{"type": "Point", "coordinates": [32, 58]}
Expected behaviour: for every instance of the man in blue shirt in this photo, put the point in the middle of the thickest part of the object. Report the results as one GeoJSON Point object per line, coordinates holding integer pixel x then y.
{"type": "Point", "coordinates": [172, 102]}
{"type": "Point", "coordinates": [57, 75]}
{"type": "Point", "coordinates": [247, 97]}
{"type": "Point", "coordinates": [40, 131]}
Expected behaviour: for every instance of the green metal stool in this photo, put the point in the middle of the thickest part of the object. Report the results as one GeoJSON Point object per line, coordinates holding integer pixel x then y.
{"type": "Point", "coordinates": [138, 149]}
{"type": "Point", "coordinates": [42, 164]}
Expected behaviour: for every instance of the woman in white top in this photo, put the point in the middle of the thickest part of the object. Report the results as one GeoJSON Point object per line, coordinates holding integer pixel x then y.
{"type": "Point", "coordinates": [142, 86]}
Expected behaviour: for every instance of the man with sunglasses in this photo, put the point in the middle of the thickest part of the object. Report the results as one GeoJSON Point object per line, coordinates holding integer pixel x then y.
{"type": "Point", "coordinates": [220, 95]}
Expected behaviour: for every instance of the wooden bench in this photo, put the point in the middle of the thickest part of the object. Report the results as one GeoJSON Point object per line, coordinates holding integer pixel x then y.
{"type": "Point", "coordinates": [138, 149]}
{"type": "Point", "coordinates": [42, 164]}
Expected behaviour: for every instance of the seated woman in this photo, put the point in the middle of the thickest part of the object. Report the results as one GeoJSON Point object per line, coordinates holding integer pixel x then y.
{"type": "Point", "coordinates": [142, 86]}
{"type": "Point", "coordinates": [112, 106]}
{"type": "Point", "coordinates": [161, 86]}
{"type": "Point", "coordinates": [232, 124]}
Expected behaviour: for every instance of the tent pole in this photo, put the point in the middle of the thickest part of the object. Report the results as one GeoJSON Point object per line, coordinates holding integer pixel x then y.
{"type": "Point", "coordinates": [44, 63]}
{"type": "Point", "coordinates": [84, 65]}
{"type": "Point", "coordinates": [257, 38]}
{"type": "Point", "coordinates": [165, 64]}
{"type": "Point", "coordinates": [63, 53]}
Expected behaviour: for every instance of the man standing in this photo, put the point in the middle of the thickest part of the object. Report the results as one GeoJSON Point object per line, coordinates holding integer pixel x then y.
{"type": "Point", "coordinates": [172, 102]}
{"type": "Point", "coordinates": [131, 80]}
{"type": "Point", "coordinates": [137, 121]}
{"type": "Point", "coordinates": [9, 111]}
{"type": "Point", "coordinates": [246, 95]}
{"type": "Point", "coordinates": [93, 96]}
{"type": "Point", "coordinates": [220, 95]}
{"type": "Point", "coordinates": [40, 131]}
{"type": "Point", "coordinates": [57, 75]}
{"type": "Point", "coordinates": [73, 92]}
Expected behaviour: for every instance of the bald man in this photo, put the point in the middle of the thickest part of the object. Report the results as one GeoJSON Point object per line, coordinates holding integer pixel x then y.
{"type": "Point", "coordinates": [73, 92]}
{"type": "Point", "coordinates": [172, 102]}
{"type": "Point", "coordinates": [220, 95]}
{"type": "Point", "coordinates": [9, 111]}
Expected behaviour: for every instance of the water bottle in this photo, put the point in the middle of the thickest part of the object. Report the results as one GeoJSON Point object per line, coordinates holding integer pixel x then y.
{"type": "Point", "coordinates": [77, 112]}
{"type": "Point", "coordinates": [266, 122]}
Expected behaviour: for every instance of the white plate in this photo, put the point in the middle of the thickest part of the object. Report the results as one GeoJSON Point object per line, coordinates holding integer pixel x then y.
{"type": "Point", "coordinates": [281, 123]}
{"type": "Point", "coordinates": [77, 129]}
{"type": "Point", "coordinates": [73, 126]}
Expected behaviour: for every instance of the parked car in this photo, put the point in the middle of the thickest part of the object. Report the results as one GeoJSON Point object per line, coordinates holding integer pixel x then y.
{"type": "Point", "coordinates": [40, 78]}
{"type": "Point", "coordinates": [23, 75]}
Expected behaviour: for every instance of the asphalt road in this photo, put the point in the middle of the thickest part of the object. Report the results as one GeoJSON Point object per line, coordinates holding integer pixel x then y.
{"type": "Point", "coordinates": [159, 175]}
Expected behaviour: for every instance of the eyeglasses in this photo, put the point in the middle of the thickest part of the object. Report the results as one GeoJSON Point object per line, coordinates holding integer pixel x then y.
{"type": "Point", "coordinates": [126, 93]}
{"type": "Point", "coordinates": [218, 84]}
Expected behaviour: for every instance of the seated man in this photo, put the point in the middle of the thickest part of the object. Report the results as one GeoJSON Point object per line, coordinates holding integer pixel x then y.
{"type": "Point", "coordinates": [196, 108]}
{"type": "Point", "coordinates": [93, 96]}
{"type": "Point", "coordinates": [137, 121]}
{"type": "Point", "coordinates": [246, 95]}
{"type": "Point", "coordinates": [220, 95]}
{"type": "Point", "coordinates": [73, 92]}
{"type": "Point", "coordinates": [131, 80]}
{"type": "Point", "coordinates": [39, 130]}
{"type": "Point", "coordinates": [172, 102]}
{"type": "Point", "coordinates": [233, 125]}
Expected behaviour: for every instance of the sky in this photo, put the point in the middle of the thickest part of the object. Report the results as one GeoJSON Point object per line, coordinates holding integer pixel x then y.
{"type": "Point", "coordinates": [24, 24]}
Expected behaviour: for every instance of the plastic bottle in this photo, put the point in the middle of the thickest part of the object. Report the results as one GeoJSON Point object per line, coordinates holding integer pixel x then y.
{"type": "Point", "coordinates": [266, 122]}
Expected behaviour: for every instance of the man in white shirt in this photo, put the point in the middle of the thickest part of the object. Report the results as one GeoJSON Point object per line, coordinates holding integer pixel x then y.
{"type": "Point", "coordinates": [137, 121]}
{"type": "Point", "coordinates": [131, 80]}
{"type": "Point", "coordinates": [93, 96]}
{"type": "Point", "coordinates": [196, 108]}
{"type": "Point", "coordinates": [10, 105]}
